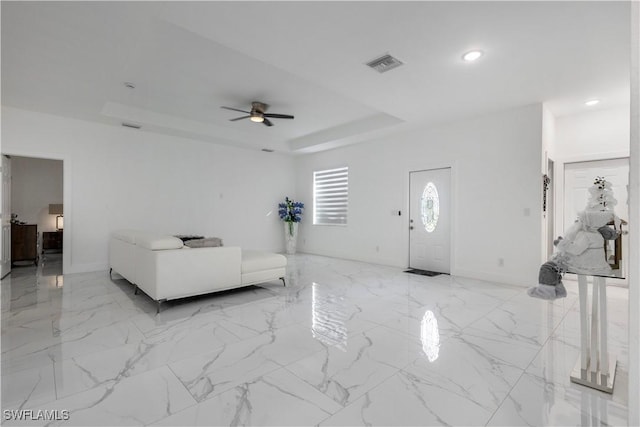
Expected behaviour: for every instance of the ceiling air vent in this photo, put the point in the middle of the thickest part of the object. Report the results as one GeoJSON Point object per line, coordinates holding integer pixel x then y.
{"type": "Point", "coordinates": [267, 150]}
{"type": "Point", "coordinates": [384, 63]}
{"type": "Point", "coordinates": [131, 125]}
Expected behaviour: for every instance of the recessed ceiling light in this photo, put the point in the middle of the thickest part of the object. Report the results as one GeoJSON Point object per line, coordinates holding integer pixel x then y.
{"type": "Point", "coordinates": [472, 55]}
{"type": "Point", "coordinates": [592, 102]}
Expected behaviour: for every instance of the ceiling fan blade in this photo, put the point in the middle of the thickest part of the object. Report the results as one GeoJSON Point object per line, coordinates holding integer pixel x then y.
{"type": "Point", "coordinates": [267, 122]}
{"type": "Point", "coordinates": [239, 118]}
{"type": "Point", "coordinates": [235, 109]}
{"type": "Point", "coordinates": [278, 116]}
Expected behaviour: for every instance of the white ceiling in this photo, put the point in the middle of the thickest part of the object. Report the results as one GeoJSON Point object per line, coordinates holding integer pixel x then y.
{"type": "Point", "coordinates": [307, 58]}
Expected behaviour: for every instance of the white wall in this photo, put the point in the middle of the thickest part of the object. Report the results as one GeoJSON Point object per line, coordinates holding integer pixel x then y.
{"type": "Point", "coordinates": [35, 184]}
{"type": "Point", "coordinates": [600, 134]}
{"type": "Point", "coordinates": [549, 150]}
{"type": "Point", "coordinates": [496, 179]}
{"type": "Point", "coordinates": [122, 178]}
{"type": "Point", "coordinates": [548, 153]}
{"type": "Point", "coordinates": [634, 227]}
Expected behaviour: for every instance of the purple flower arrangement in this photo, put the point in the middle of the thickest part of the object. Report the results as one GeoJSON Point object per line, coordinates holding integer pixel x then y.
{"type": "Point", "coordinates": [290, 211]}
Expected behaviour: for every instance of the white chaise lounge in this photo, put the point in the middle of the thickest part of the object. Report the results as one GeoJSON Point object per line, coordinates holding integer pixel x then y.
{"type": "Point", "coordinates": [165, 269]}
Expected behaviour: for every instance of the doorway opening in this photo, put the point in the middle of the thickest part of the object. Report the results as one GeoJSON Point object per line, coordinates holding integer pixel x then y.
{"type": "Point", "coordinates": [33, 202]}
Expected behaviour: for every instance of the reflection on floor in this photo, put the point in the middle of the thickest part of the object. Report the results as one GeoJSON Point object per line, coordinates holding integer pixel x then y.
{"type": "Point", "coordinates": [345, 343]}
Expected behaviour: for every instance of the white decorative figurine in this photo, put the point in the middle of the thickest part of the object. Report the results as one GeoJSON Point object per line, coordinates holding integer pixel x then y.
{"type": "Point", "coordinates": [582, 249]}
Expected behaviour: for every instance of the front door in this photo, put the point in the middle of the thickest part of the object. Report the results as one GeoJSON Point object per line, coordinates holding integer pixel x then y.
{"type": "Point", "coordinates": [430, 220]}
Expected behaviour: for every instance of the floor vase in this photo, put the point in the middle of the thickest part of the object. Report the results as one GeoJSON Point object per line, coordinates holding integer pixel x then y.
{"type": "Point", "coordinates": [291, 237]}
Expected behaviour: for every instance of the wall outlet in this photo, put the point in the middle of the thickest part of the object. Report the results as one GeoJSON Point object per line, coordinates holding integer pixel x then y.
{"type": "Point", "coordinates": [500, 262]}
{"type": "Point", "coordinates": [527, 211]}
{"type": "Point", "coordinates": [377, 248]}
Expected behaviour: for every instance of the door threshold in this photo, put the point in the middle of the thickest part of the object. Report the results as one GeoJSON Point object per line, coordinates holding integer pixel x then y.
{"type": "Point", "coordinates": [423, 272]}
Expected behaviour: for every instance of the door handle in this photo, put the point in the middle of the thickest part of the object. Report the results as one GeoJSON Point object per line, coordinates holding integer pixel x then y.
{"type": "Point", "coordinates": [411, 227]}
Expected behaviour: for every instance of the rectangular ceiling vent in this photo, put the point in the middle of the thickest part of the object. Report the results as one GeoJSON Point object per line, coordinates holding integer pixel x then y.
{"type": "Point", "coordinates": [131, 125]}
{"type": "Point", "coordinates": [384, 63]}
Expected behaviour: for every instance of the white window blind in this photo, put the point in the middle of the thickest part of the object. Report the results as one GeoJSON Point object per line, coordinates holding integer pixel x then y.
{"type": "Point", "coordinates": [330, 196]}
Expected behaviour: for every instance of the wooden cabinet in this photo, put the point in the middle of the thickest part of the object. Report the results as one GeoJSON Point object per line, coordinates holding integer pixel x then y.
{"type": "Point", "coordinates": [52, 241]}
{"type": "Point", "coordinates": [24, 243]}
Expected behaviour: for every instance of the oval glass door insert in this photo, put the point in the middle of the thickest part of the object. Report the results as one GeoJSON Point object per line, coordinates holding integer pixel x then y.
{"type": "Point", "coordinates": [430, 207]}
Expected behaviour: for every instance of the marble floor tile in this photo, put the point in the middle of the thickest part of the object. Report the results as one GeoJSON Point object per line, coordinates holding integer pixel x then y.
{"type": "Point", "coordinates": [618, 331]}
{"type": "Point", "coordinates": [368, 359]}
{"type": "Point", "coordinates": [28, 387]}
{"type": "Point", "coordinates": [18, 336]}
{"type": "Point", "coordinates": [344, 343]}
{"type": "Point", "coordinates": [77, 343]}
{"type": "Point", "coordinates": [498, 323]}
{"type": "Point", "coordinates": [276, 399]}
{"type": "Point", "coordinates": [450, 319]}
{"type": "Point", "coordinates": [555, 363]}
{"type": "Point", "coordinates": [504, 348]}
{"type": "Point", "coordinates": [139, 400]}
{"type": "Point", "coordinates": [535, 310]}
{"type": "Point", "coordinates": [467, 370]}
{"type": "Point", "coordinates": [90, 370]}
{"type": "Point", "coordinates": [82, 320]}
{"type": "Point", "coordinates": [408, 400]}
{"type": "Point", "coordinates": [251, 320]}
{"type": "Point", "coordinates": [96, 369]}
{"type": "Point", "coordinates": [536, 402]}
{"type": "Point", "coordinates": [233, 364]}
{"type": "Point", "coordinates": [185, 312]}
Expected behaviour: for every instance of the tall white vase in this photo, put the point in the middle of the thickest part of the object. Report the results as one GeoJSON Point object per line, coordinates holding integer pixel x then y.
{"type": "Point", "coordinates": [291, 237]}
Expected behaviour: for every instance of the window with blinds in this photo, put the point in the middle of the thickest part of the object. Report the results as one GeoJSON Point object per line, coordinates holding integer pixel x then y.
{"type": "Point", "coordinates": [330, 196]}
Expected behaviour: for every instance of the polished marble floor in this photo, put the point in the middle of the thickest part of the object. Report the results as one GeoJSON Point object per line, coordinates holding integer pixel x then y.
{"type": "Point", "coordinates": [345, 343]}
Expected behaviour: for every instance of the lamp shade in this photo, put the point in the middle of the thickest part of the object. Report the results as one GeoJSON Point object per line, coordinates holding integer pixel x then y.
{"type": "Point", "coordinates": [55, 209]}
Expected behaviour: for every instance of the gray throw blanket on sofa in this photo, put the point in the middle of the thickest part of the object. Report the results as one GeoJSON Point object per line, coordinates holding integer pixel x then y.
{"type": "Point", "coordinates": [207, 242]}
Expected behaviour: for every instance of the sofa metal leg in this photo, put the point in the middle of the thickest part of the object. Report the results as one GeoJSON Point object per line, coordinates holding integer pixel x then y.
{"type": "Point", "coordinates": [283, 282]}
{"type": "Point", "coordinates": [159, 302]}
{"type": "Point", "coordinates": [135, 290]}
{"type": "Point", "coordinates": [110, 270]}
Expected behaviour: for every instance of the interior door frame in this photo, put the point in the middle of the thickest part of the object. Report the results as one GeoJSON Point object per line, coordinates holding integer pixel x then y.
{"type": "Point", "coordinates": [67, 253]}
{"type": "Point", "coordinates": [549, 214]}
{"type": "Point", "coordinates": [452, 207]}
{"type": "Point", "coordinates": [5, 218]}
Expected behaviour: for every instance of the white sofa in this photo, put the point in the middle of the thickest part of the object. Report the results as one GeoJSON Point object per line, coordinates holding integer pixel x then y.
{"type": "Point", "coordinates": [165, 269]}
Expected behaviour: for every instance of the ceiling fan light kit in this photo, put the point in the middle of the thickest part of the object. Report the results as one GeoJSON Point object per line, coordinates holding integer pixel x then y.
{"type": "Point", "coordinates": [258, 115]}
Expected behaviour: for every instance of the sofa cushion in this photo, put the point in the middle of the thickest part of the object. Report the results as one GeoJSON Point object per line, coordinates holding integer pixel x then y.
{"type": "Point", "coordinates": [258, 261]}
{"type": "Point", "coordinates": [209, 242]}
{"type": "Point", "coordinates": [157, 243]}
